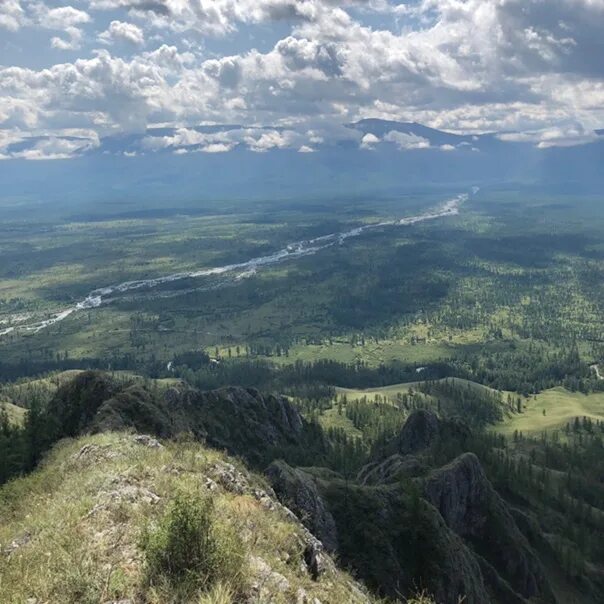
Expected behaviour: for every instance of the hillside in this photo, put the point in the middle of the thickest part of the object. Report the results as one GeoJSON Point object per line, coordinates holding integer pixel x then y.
{"type": "Point", "coordinates": [72, 530]}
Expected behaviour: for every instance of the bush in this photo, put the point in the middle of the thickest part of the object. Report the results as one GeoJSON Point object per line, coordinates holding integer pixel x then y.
{"type": "Point", "coordinates": [190, 550]}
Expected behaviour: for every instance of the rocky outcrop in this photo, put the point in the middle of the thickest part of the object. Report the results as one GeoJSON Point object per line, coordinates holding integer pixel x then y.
{"type": "Point", "coordinates": [396, 541]}
{"type": "Point", "coordinates": [101, 491]}
{"type": "Point", "coordinates": [75, 404]}
{"type": "Point", "coordinates": [247, 423]}
{"type": "Point", "coordinates": [469, 505]}
{"type": "Point", "coordinates": [460, 491]}
{"type": "Point", "coordinates": [298, 492]}
{"type": "Point", "coordinates": [497, 558]}
{"type": "Point", "coordinates": [400, 525]}
{"type": "Point", "coordinates": [421, 430]}
{"type": "Point", "coordinates": [457, 575]}
{"type": "Point", "coordinates": [242, 421]}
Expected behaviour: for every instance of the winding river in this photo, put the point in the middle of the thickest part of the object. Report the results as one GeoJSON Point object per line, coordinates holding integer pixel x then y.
{"type": "Point", "coordinates": [230, 272]}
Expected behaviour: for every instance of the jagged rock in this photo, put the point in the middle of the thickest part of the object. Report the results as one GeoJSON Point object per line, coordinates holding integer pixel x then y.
{"type": "Point", "coordinates": [134, 407]}
{"type": "Point", "coordinates": [302, 597]}
{"type": "Point", "coordinates": [75, 404]}
{"type": "Point", "coordinates": [419, 432]}
{"type": "Point", "coordinates": [396, 542]}
{"type": "Point", "coordinates": [229, 477]}
{"type": "Point", "coordinates": [502, 591]}
{"type": "Point", "coordinates": [472, 508]}
{"type": "Point", "coordinates": [91, 454]}
{"type": "Point", "coordinates": [316, 560]}
{"type": "Point", "coordinates": [240, 420]}
{"type": "Point", "coordinates": [460, 491]}
{"type": "Point", "coordinates": [124, 489]}
{"type": "Point", "coordinates": [246, 423]}
{"type": "Point", "coordinates": [297, 491]}
{"type": "Point", "coordinates": [457, 576]}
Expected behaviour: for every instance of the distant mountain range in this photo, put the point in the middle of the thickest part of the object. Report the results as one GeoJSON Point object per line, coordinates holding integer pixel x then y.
{"type": "Point", "coordinates": [369, 157]}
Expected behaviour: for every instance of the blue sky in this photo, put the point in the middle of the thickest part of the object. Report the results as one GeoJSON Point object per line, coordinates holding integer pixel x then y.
{"type": "Point", "coordinates": [75, 72]}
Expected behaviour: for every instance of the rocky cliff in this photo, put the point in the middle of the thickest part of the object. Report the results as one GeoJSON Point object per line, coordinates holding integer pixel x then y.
{"type": "Point", "coordinates": [242, 421]}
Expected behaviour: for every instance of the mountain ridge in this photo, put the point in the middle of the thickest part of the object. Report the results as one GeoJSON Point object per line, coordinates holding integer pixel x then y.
{"type": "Point", "coordinates": [431, 518]}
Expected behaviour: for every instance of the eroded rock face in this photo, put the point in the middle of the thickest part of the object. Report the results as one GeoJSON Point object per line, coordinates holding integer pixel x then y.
{"type": "Point", "coordinates": [242, 421]}
{"type": "Point", "coordinates": [297, 491]}
{"type": "Point", "coordinates": [419, 432]}
{"type": "Point", "coordinates": [75, 404]}
{"type": "Point", "coordinates": [246, 422]}
{"type": "Point", "coordinates": [460, 491]}
{"type": "Point", "coordinates": [458, 577]}
{"type": "Point", "coordinates": [472, 508]}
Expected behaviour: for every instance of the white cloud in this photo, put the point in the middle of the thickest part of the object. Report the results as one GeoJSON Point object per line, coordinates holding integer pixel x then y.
{"type": "Point", "coordinates": [53, 147]}
{"type": "Point", "coordinates": [63, 18]}
{"type": "Point", "coordinates": [11, 15]}
{"type": "Point", "coordinates": [217, 148]}
{"type": "Point", "coordinates": [369, 141]}
{"type": "Point", "coordinates": [406, 141]}
{"type": "Point", "coordinates": [470, 66]}
{"type": "Point", "coordinates": [255, 139]}
{"type": "Point", "coordinates": [270, 140]}
{"type": "Point", "coordinates": [568, 136]}
{"type": "Point", "coordinates": [124, 32]}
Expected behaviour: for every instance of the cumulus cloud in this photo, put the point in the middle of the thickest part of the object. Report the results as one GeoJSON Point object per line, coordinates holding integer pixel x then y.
{"type": "Point", "coordinates": [568, 136]}
{"type": "Point", "coordinates": [63, 18]}
{"type": "Point", "coordinates": [521, 66]}
{"type": "Point", "coordinates": [406, 141]}
{"type": "Point", "coordinates": [11, 15]}
{"type": "Point", "coordinates": [369, 141]}
{"type": "Point", "coordinates": [255, 139]}
{"type": "Point", "coordinates": [118, 31]}
{"type": "Point", "coordinates": [45, 147]}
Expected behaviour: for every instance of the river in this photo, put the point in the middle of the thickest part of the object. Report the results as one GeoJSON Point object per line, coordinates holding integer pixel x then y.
{"type": "Point", "coordinates": [231, 272]}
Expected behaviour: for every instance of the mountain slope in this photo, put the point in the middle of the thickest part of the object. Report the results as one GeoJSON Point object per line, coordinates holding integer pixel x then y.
{"type": "Point", "coordinates": [423, 513]}
{"type": "Point", "coordinates": [71, 531]}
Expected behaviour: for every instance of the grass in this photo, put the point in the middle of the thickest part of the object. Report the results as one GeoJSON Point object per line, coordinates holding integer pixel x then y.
{"type": "Point", "coordinates": [373, 354]}
{"type": "Point", "coordinates": [71, 531]}
{"type": "Point", "coordinates": [391, 392]}
{"type": "Point", "coordinates": [560, 406]}
{"type": "Point", "coordinates": [16, 415]}
{"type": "Point", "coordinates": [332, 419]}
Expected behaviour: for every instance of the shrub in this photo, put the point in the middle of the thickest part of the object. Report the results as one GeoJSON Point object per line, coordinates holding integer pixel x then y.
{"type": "Point", "coordinates": [190, 550]}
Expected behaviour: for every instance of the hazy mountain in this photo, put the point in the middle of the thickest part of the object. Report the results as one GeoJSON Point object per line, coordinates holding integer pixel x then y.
{"type": "Point", "coordinates": [150, 166]}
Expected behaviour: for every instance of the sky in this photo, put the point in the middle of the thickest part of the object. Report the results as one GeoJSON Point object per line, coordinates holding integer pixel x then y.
{"type": "Point", "coordinates": [73, 73]}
